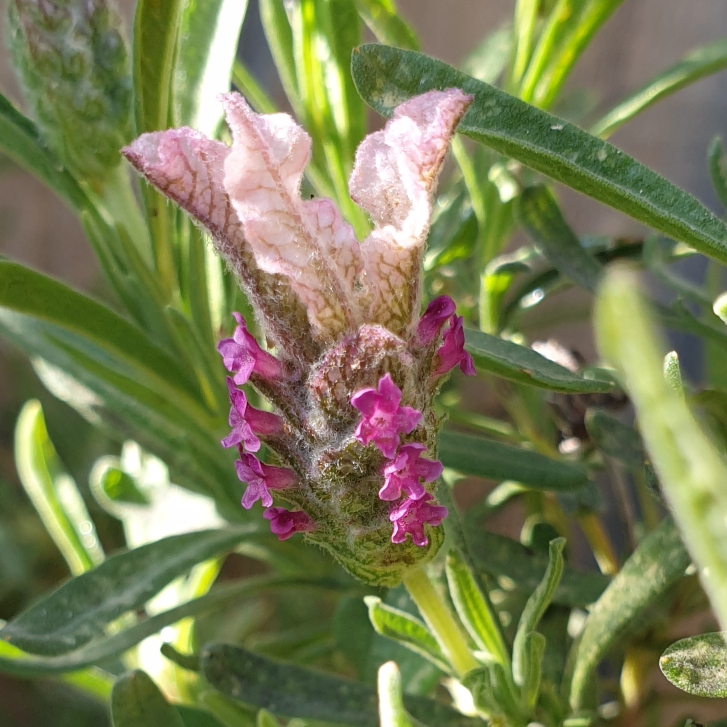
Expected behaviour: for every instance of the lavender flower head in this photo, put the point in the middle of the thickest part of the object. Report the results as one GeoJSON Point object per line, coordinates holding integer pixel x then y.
{"type": "Point", "coordinates": [355, 366]}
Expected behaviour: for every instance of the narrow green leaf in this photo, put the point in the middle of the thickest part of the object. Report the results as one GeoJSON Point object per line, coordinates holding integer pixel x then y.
{"type": "Point", "coordinates": [673, 373]}
{"type": "Point", "coordinates": [53, 493]}
{"type": "Point", "coordinates": [156, 33]}
{"type": "Point", "coordinates": [691, 470]}
{"type": "Point", "coordinates": [137, 702]}
{"type": "Point", "coordinates": [521, 364]}
{"type": "Point", "coordinates": [534, 609]}
{"type": "Point", "coordinates": [540, 215]}
{"type": "Point", "coordinates": [697, 64]}
{"type": "Point", "coordinates": [698, 665]}
{"type": "Point", "coordinates": [391, 698]}
{"type": "Point", "coordinates": [498, 461]}
{"type": "Point", "coordinates": [526, 16]}
{"type": "Point", "coordinates": [533, 649]}
{"type": "Point", "coordinates": [293, 691]}
{"type": "Point", "coordinates": [110, 371]}
{"type": "Point", "coordinates": [656, 565]}
{"type": "Point", "coordinates": [503, 557]}
{"type": "Point", "coordinates": [384, 21]}
{"type": "Point", "coordinates": [20, 140]}
{"type": "Point", "coordinates": [473, 609]}
{"type": "Point", "coordinates": [614, 438]}
{"type": "Point", "coordinates": [16, 662]}
{"type": "Point", "coordinates": [386, 77]}
{"type": "Point", "coordinates": [717, 162]}
{"type": "Point", "coordinates": [79, 610]}
{"type": "Point", "coordinates": [197, 718]}
{"type": "Point", "coordinates": [405, 629]}
{"type": "Point", "coordinates": [280, 41]}
{"type": "Point", "coordinates": [207, 45]}
{"type": "Point", "coordinates": [251, 89]}
{"type": "Point", "coordinates": [568, 32]}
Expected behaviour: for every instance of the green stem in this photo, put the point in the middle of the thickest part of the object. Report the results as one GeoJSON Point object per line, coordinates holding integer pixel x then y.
{"type": "Point", "coordinates": [441, 621]}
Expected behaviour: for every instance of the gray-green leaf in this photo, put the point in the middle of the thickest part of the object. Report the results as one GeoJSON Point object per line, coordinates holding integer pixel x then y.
{"type": "Point", "coordinates": [698, 665]}
{"type": "Point", "coordinates": [137, 702]}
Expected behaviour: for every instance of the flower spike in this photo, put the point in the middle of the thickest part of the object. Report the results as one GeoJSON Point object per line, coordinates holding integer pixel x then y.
{"type": "Point", "coordinates": [405, 471]}
{"type": "Point", "coordinates": [261, 478]}
{"type": "Point", "coordinates": [411, 516]}
{"type": "Point", "coordinates": [452, 351]}
{"type": "Point", "coordinates": [383, 419]}
{"type": "Point", "coordinates": [285, 523]}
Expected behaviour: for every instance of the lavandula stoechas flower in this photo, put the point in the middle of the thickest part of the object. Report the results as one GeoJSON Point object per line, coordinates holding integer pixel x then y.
{"type": "Point", "coordinates": [355, 367]}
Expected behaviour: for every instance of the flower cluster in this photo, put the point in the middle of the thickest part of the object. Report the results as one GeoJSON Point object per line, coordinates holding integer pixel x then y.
{"type": "Point", "coordinates": [355, 366]}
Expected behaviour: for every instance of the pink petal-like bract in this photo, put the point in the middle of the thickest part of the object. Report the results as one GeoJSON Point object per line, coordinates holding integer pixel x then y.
{"type": "Point", "coordinates": [188, 168]}
{"type": "Point", "coordinates": [452, 352]}
{"type": "Point", "coordinates": [393, 180]}
{"type": "Point", "coordinates": [410, 517]}
{"type": "Point", "coordinates": [308, 242]}
{"type": "Point", "coordinates": [261, 478]}
{"type": "Point", "coordinates": [383, 420]}
{"type": "Point", "coordinates": [405, 471]}
{"type": "Point", "coordinates": [285, 523]}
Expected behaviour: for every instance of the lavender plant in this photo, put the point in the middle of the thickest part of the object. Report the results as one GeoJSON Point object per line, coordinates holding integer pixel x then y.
{"type": "Point", "coordinates": [357, 286]}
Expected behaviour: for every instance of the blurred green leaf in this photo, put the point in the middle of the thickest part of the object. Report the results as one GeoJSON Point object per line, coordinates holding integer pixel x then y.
{"type": "Point", "coordinates": [384, 21]}
{"type": "Point", "coordinates": [391, 699]}
{"type": "Point", "coordinates": [207, 45]}
{"type": "Point", "coordinates": [717, 162]}
{"type": "Point", "coordinates": [657, 564]}
{"type": "Point", "coordinates": [280, 41]}
{"type": "Point", "coordinates": [691, 470]}
{"type": "Point", "coordinates": [16, 662]}
{"type": "Point", "coordinates": [698, 665]}
{"type": "Point", "coordinates": [521, 364]}
{"type": "Point", "coordinates": [567, 33]}
{"type": "Point", "coordinates": [614, 438]}
{"type": "Point", "coordinates": [526, 18]}
{"type": "Point", "coordinates": [533, 649]}
{"type": "Point", "coordinates": [110, 371]}
{"type": "Point", "coordinates": [156, 33]}
{"type": "Point", "coordinates": [488, 60]}
{"type": "Point", "coordinates": [292, 691]}
{"type": "Point", "coordinates": [196, 717]}
{"type": "Point", "coordinates": [20, 140]}
{"type": "Point", "coordinates": [53, 492]}
{"type": "Point", "coordinates": [697, 64]}
{"type": "Point", "coordinates": [79, 610]}
{"type": "Point", "coordinates": [137, 702]}
{"type": "Point", "coordinates": [386, 77]}
{"type": "Point", "coordinates": [539, 214]}
{"type": "Point", "coordinates": [473, 609]}
{"type": "Point", "coordinates": [503, 557]}
{"type": "Point", "coordinates": [405, 629]}
{"type": "Point", "coordinates": [497, 461]}
{"type": "Point", "coordinates": [535, 607]}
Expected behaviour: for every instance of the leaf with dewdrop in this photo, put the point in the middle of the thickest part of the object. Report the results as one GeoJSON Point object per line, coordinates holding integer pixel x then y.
{"type": "Point", "coordinates": [393, 179]}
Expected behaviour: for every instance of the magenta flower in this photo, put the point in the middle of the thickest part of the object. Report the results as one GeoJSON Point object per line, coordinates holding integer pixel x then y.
{"type": "Point", "coordinates": [452, 352]}
{"type": "Point", "coordinates": [383, 419]}
{"type": "Point", "coordinates": [247, 421]}
{"type": "Point", "coordinates": [438, 312]}
{"type": "Point", "coordinates": [242, 355]}
{"type": "Point", "coordinates": [405, 471]}
{"type": "Point", "coordinates": [411, 516]}
{"type": "Point", "coordinates": [261, 478]}
{"type": "Point", "coordinates": [285, 523]}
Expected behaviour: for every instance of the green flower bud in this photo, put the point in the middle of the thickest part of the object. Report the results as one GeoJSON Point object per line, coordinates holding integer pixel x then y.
{"type": "Point", "coordinates": [72, 62]}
